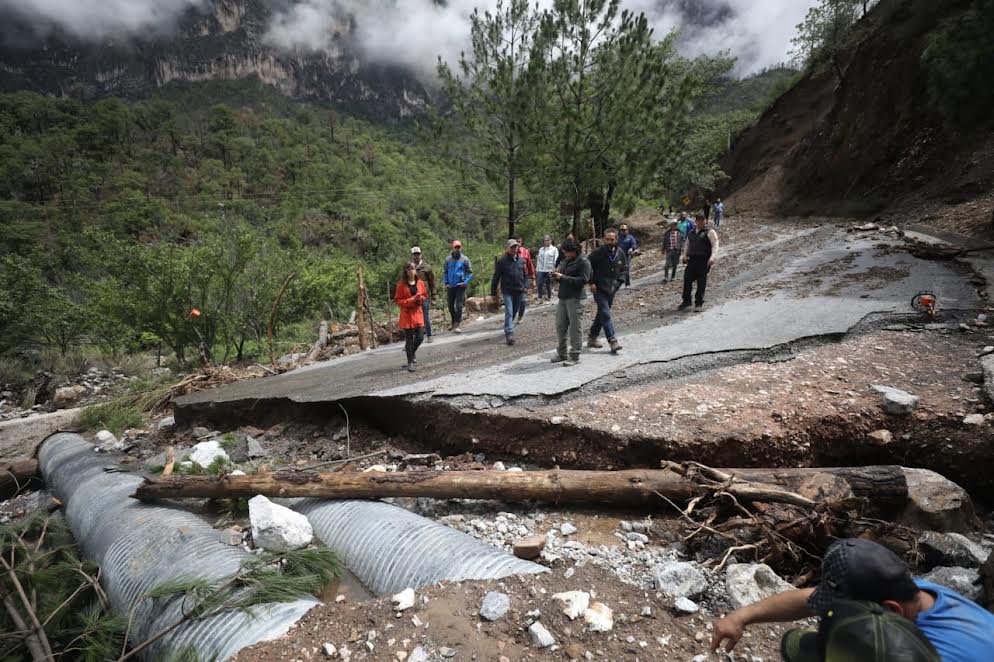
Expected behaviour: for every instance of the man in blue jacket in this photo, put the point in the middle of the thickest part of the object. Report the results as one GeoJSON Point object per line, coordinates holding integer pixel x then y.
{"type": "Point", "coordinates": [509, 272]}
{"type": "Point", "coordinates": [627, 245]}
{"type": "Point", "coordinates": [457, 275]}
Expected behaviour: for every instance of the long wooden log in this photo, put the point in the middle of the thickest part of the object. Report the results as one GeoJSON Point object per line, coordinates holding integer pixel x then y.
{"type": "Point", "coordinates": [18, 475]}
{"type": "Point", "coordinates": [617, 487]}
{"type": "Point", "coordinates": [633, 487]}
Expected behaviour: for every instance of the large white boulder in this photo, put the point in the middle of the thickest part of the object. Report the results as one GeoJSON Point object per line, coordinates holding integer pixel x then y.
{"type": "Point", "coordinates": [748, 583]}
{"type": "Point", "coordinates": [277, 528]}
{"type": "Point", "coordinates": [896, 401]}
{"type": "Point", "coordinates": [206, 452]}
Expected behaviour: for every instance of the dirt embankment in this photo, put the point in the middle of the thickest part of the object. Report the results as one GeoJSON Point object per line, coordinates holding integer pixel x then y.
{"type": "Point", "coordinates": [869, 144]}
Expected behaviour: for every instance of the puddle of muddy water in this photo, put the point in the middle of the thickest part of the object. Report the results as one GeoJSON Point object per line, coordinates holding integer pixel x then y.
{"type": "Point", "coordinates": [347, 585]}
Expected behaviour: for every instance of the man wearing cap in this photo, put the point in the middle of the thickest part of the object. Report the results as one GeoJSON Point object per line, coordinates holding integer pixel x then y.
{"type": "Point", "coordinates": [857, 569]}
{"type": "Point", "coordinates": [852, 631]}
{"type": "Point", "coordinates": [456, 276]}
{"type": "Point", "coordinates": [426, 274]}
{"type": "Point", "coordinates": [509, 272]}
{"type": "Point", "coordinates": [627, 245]}
{"type": "Point", "coordinates": [572, 274]}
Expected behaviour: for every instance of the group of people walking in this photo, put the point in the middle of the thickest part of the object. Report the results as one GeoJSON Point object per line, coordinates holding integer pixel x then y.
{"type": "Point", "coordinates": [603, 272]}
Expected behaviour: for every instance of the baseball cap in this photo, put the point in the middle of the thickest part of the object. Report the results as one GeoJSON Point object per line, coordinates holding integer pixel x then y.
{"type": "Point", "coordinates": [857, 569]}
{"type": "Point", "coordinates": [416, 249]}
{"type": "Point", "coordinates": [510, 243]}
{"type": "Point", "coordinates": [852, 631]}
{"type": "Point", "coordinates": [456, 244]}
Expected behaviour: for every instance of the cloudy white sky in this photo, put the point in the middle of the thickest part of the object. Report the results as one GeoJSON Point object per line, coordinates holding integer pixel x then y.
{"type": "Point", "coordinates": [415, 32]}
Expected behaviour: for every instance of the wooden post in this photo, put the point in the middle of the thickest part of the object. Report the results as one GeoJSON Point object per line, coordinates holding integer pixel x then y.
{"type": "Point", "coordinates": [18, 475]}
{"type": "Point", "coordinates": [361, 307]}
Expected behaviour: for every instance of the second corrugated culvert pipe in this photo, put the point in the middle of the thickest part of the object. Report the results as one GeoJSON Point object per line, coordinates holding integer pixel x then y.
{"type": "Point", "coordinates": [390, 549]}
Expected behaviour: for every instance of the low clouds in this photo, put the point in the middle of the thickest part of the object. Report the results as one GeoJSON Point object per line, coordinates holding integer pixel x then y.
{"type": "Point", "coordinates": [99, 19]}
{"type": "Point", "coordinates": [415, 32]}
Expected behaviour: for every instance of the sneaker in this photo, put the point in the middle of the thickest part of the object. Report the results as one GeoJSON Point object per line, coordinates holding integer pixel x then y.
{"type": "Point", "coordinates": [571, 361]}
{"type": "Point", "coordinates": [428, 339]}
{"type": "Point", "coordinates": [594, 343]}
{"type": "Point", "coordinates": [683, 306]}
{"type": "Point", "coordinates": [510, 340]}
{"type": "Point", "coordinates": [456, 329]}
{"type": "Point", "coordinates": [666, 280]}
{"type": "Point", "coordinates": [699, 308]}
{"type": "Point", "coordinates": [615, 345]}
{"type": "Point", "coordinates": [410, 367]}
{"type": "Point", "coordinates": [558, 358]}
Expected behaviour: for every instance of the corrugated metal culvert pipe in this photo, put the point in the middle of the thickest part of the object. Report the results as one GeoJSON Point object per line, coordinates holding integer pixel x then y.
{"type": "Point", "coordinates": [140, 546]}
{"type": "Point", "coordinates": [390, 549]}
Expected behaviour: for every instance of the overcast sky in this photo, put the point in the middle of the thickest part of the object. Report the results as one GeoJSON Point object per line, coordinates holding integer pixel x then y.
{"type": "Point", "coordinates": [415, 32]}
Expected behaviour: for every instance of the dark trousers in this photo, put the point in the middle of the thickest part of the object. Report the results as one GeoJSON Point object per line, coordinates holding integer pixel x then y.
{"type": "Point", "coordinates": [545, 284]}
{"type": "Point", "coordinates": [426, 309]}
{"type": "Point", "coordinates": [412, 340]}
{"type": "Point", "coordinates": [457, 299]}
{"type": "Point", "coordinates": [672, 260]}
{"type": "Point", "coordinates": [696, 271]}
{"type": "Point", "coordinates": [603, 318]}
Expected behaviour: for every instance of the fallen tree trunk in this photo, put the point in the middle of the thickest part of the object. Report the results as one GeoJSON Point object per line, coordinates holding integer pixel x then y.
{"type": "Point", "coordinates": [17, 476]}
{"type": "Point", "coordinates": [634, 487]}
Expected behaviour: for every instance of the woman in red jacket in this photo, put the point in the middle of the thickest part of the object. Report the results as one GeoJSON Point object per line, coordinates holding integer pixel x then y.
{"type": "Point", "coordinates": [411, 293]}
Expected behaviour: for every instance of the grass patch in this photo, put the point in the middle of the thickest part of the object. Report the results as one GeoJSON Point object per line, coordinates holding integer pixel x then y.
{"type": "Point", "coordinates": [228, 441]}
{"type": "Point", "coordinates": [116, 416]}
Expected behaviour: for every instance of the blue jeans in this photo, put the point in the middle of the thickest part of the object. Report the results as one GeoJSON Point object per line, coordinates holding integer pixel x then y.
{"type": "Point", "coordinates": [426, 309]}
{"type": "Point", "coordinates": [545, 283]}
{"type": "Point", "coordinates": [603, 318]}
{"type": "Point", "coordinates": [513, 302]}
{"type": "Point", "coordinates": [717, 220]}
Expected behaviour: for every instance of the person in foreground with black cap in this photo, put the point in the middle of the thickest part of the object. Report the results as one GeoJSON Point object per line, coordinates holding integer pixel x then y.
{"type": "Point", "coordinates": [852, 631]}
{"type": "Point", "coordinates": [856, 569]}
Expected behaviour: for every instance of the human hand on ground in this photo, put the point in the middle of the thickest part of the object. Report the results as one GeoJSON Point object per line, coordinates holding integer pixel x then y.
{"type": "Point", "coordinates": [730, 629]}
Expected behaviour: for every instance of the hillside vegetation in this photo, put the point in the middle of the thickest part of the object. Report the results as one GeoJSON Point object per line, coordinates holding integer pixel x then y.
{"type": "Point", "coordinates": [117, 220]}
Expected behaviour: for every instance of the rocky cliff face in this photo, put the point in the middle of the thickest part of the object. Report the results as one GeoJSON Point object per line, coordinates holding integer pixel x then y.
{"type": "Point", "coordinates": [222, 43]}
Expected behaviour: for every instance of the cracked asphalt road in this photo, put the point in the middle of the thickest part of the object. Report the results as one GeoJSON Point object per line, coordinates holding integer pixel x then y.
{"type": "Point", "coordinates": [775, 284]}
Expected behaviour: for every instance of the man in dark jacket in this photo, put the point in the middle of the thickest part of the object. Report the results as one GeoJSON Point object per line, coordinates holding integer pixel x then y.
{"type": "Point", "coordinates": [608, 265]}
{"type": "Point", "coordinates": [699, 254]}
{"type": "Point", "coordinates": [509, 272]}
{"type": "Point", "coordinates": [572, 274]}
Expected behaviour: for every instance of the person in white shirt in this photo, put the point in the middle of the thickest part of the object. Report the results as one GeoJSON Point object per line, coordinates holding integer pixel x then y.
{"type": "Point", "coordinates": [548, 255]}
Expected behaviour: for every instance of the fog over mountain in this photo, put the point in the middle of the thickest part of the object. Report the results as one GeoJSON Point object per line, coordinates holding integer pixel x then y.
{"type": "Point", "coordinates": [408, 32]}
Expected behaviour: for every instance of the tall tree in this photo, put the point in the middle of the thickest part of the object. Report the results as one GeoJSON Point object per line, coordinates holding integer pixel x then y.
{"type": "Point", "coordinates": [495, 96]}
{"type": "Point", "coordinates": [825, 31]}
{"type": "Point", "coordinates": [619, 102]}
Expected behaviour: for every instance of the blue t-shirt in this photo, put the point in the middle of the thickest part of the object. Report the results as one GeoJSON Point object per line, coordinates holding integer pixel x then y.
{"type": "Point", "coordinates": [959, 628]}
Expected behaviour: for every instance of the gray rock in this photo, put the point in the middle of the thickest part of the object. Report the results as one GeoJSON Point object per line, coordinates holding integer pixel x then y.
{"type": "Point", "coordinates": [686, 606]}
{"type": "Point", "coordinates": [637, 537]}
{"type": "Point", "coordinates": [896, 401]}
{"type": "Point", "coordinates": [974, 377]}
{"type": "Point", "coordinates": [495, 606]}
{"type": "Point", "coordinates": [987, 365]}
{"type": "Point", "coordinates": [200, 432]}
{"type": "Point", "coordinates": [231, 537]}
{"type": "Point", "coordinates": [962, 580]}
{"type": "Point", "coordinates": [447, 652]}
{"type": "Point", "coordinates": [168, 423]}
{"type": "Point", "coordinates": [206, 452]}
{"type": "Point", "coordinates": [679, 579]}
{"type": "Point", "coordinates": [567, 529]}
{"type": "Point", "coordinates": [541, 638]}
{"type": "Point", "coordinates": [974, 419]}
{"type": "Point", "coordinates": [748, 583]}
{"type": "Point", "coordinates": [68, 396]}
{"type": "Point", "coordinates": [418, 655]}
{"type": "Point", "coordinates": [255, 449]}
{"type": "Point", "coordinates": [936, 503]}
{"type": "Point", "coordinates": [950, 549]}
